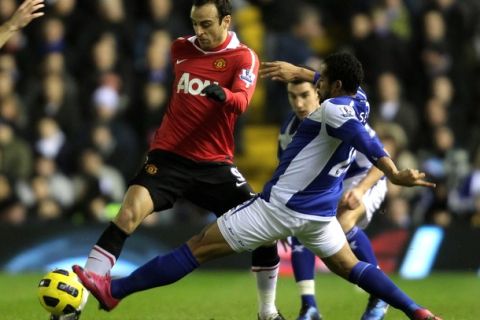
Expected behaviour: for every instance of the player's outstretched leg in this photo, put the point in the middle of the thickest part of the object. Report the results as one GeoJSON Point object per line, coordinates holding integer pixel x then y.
{"type": "Point", "coordinates": [303, 264]}
{"type": "Point", "coordinates": [362, 248]}
{"type": "Point", "coordinates": [375, 282]}
{"type": "Point", "coordinates": [159, 271]}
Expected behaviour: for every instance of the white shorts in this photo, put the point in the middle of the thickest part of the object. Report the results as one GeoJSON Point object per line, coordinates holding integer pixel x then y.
{"type": "Point", "coordinates": [372, 199]}
{"type": "Point", "coordinates": [257, 222]}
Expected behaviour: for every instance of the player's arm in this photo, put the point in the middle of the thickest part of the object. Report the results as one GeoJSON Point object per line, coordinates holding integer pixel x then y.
{"type": "Point", "coordinates": [353, 197]}
{"type": "Point", "coordinates": [377, 155]}
{"type": "Point", "coordinates": [374, 174]}
{"type": "Point", "coordinates": [239, 95]}
{"type": "Point", "coordinates": [406, 177]}
{"type": "Point", "coordinates": [286, 72]}
{"type": "Point", "coordinates": [27, 11]}
{"type": "Point", "coordinates": [345, 126]}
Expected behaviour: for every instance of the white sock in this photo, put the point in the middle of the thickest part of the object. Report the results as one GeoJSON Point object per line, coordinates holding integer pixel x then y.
{"type": "Point", "coordinates": [100, 261]}
{"type": "Point", "coordinates": [266, 289]}
{"type": "Point", "coordinates": [306, 287]}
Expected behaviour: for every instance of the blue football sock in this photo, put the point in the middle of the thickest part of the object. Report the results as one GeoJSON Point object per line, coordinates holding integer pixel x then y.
{"type": "Point", "coordinates": [303, 261]}
{"type": "Point", "coordinates": [361, 246]}
{"type": "Point", "coordinates": [159, 271]}
{"type": "Point", "coordinates": [309, 300]}
{"type": "Point", "coordinates": [375, 282]}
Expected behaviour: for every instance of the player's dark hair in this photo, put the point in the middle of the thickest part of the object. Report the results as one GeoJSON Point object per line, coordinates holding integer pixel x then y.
{"type": "Point", "coordinates": [224, 7]}
{"type": "Point", "coordinates": [345, 67]}
{"type": "Point", "coordinates": [300, 81]}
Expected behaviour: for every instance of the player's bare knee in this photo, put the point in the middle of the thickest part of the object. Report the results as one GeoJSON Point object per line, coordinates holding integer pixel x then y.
{"type": "Point", "coordinates": [197, 246]}
{"type": "Point", "coordinates": [346, 222]}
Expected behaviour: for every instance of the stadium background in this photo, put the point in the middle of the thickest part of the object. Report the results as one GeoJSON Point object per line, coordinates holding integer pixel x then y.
{"type": "Point", "coordinates": [82, 88]}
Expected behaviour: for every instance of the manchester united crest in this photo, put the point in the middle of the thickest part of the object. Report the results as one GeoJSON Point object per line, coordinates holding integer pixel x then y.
{"type": "Point", "coordinates": [220, 64]}
{"type": "Point", "coordinates": [151, 169]}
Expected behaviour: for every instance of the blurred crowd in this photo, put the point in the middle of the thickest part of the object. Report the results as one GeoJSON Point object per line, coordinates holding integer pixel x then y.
{"type": "Point", "coordinates": [83, 88]}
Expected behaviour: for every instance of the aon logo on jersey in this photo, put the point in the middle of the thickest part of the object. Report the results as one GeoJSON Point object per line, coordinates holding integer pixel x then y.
{"type": "Point", "coordinates": [193, 86]}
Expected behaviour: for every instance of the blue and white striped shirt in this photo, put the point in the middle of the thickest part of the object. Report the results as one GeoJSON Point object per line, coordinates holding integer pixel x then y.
{"type": "Point", "coordinates": [308, 179]}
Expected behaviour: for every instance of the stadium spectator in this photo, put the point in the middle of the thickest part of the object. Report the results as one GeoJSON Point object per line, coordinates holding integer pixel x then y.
{"type": "Point", "coordinates": [395, 141]}
{"type": "Point", "coordinates": [377, 47]}
{"type": "Point", "coordinates": [12, 210]}
{"type": "Point", "coordinates": [53, 36]}
{"type": "Point", "coordinates": [73, 19]}
{"type": "Point", "coordinates": [96, 184]}
{"type": "Point", "coordinates": [44, 207]}
{"type": "Point", "coordinates": [397, 213]}
{"type": "Point", "coordinates": [157, 15]}
{"type": "Point", "coordinates": [398, 18]}
{"type": "Point", "coordinates": [156, 66]}
{"type": "Point", "coordinates": [464, 199]}
{"type": "Point", "coordinates": [291, 45]}
{"type": "Point", "coordinates": [392, 105]}
{"type": "Point", "coordinates": [118, 143]}
{"type": "Point", "coordinates": [60, 187]}
{"type": "Point", "coordinates": [436, 114]}
{"type": "Point", "coordinates": [436, 51]}
{"type": "Point", "coordinates": [54, 101]}
{"type": "Point", "coordinates": [115, 150]}
{"type": "Point", "coordinates": [13, 111]}
{"type": "Point", "coordinates": [17, 157]}
{"type": "Point", "coordinates": [447, 164]}
{"type": "Point", "coordinates": [106, 62]}
{"type": "Point", "coordinates": [191, 155]}
{"type": "Point", "coordinates": [154, 77]}
{"type": "Point", "coordinates": [32, 88]}
{"type": "Point", "coordinates": [152, 106]}
{"type": "Point", "coordinates": [51, 141]}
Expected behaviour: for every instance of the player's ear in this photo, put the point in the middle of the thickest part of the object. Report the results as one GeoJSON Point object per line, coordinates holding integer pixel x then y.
{"type": "Point", "coordinates": [338, 85]}
{"type": "Point", "coordinates": [226, 21]}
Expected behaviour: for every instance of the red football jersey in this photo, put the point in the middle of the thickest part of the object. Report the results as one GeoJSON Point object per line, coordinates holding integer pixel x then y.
{"type": "Point", "coordinates": [195, 126]}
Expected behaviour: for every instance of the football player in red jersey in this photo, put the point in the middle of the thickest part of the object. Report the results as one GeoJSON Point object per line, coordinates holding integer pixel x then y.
{"type": "Point", "coordinates": [25, 13]}
{"type": "Point", "coordinates": [191, 154]}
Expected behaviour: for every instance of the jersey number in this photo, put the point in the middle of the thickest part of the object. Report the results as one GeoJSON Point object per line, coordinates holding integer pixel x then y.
{"type": "Point", "coordinates": [240, 179]}
{"type": "Point", "coordinates": [340, 168]}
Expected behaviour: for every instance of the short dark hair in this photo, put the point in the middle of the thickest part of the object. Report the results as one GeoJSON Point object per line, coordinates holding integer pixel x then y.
{"type": "Point", "coordinates": [345, 67]}
{"type": "Point", "coordinates": [224, 7]}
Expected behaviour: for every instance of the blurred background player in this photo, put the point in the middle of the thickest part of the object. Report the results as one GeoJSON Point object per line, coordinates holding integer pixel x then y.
{"type": "Point", "coordinates": [191, 153]}
{"type": "Point", "coordinates": [365, 192]}
{"type": "Point", "coordinates": [294, 202]}
{"type": "Point", "coordinates": [25, 13]}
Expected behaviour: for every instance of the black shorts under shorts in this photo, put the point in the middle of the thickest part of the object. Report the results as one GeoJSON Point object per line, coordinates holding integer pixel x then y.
{"type": "Point", "coordinates": [216, 187]}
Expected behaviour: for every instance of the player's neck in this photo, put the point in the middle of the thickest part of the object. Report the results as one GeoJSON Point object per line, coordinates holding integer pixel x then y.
{"type": "Point", "coordinates": [224, 43]}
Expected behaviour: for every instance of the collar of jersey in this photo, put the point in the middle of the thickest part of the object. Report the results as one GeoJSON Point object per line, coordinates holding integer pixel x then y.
{"type": "Point", "coordinates": [232, 44]}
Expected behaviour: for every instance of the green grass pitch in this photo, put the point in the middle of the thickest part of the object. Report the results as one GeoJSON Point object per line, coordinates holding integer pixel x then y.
{"type": "Point", "coordinates": [216, 295]}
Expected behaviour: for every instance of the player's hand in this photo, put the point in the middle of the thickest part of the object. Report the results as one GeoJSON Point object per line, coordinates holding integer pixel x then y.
{"type": "Point", "coordinates": [278, 70]}
{"type": "Point", "coordinates": [411, 178]}
{"type": "Point", "coordinates": [351, 199]}
{"type": "Point", "coordinates": [215, 92]}
{"type": "Point", "coordinates": [27, 11]}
